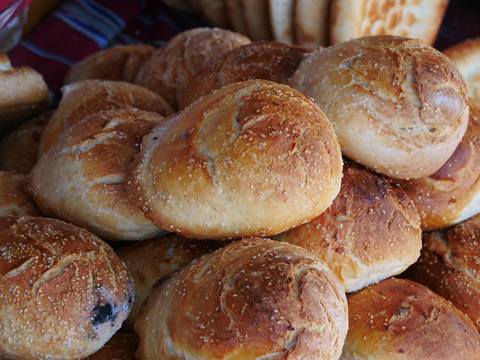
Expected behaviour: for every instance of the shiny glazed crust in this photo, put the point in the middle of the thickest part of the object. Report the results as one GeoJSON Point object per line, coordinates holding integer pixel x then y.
{"type": "Point", "coordinates": [253, 158]}
{"type": "Point", "coordinates": [369, 233]}
{"type": "Point", "coordinates": [63, 291]}
{"type": "Point", "coordinates": [398, 106]}
{"type": "Point", "coordinates": [255, 298]}
{"type": "Point", "coordinates": [400, 319]}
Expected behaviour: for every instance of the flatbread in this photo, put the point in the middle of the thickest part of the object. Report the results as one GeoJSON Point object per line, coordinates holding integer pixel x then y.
{"type": "Point", "coordinates": [310, 22]}
{"type": "Point", "coordinates": [419, 19]}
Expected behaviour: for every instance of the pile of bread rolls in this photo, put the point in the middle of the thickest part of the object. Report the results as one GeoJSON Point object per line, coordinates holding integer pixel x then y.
{"type": "Point", "coordinates": [226, 198]}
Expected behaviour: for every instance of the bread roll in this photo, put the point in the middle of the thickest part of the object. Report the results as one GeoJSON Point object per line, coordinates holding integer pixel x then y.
{"type": "Point", "coordinates": [466, 56]}
{"type": "Point", "coordinates": [398, 106]}
{"type": "Point", "coordinates": [171, 67]}
{"type": "Point", "coordinates": [19, 149]}
{"type": "Point", "coordinates": [258, 60]}
{"type": "Point", "coordinates": [87, 97]}
{"type": "Point", "coordinates": [449, 265]}
{"type": "Point", "coordinates": [120, 63]}
{"type": "Point", "coordinates": [63, 291]}
{"type": "Point", "coordinates": [14, 196]}
{"type": "Point", "coordinates": [419, 19]}
{"type": "Point", "coordinates": [23, 94]}
{"type": "Point", "coordinates": [253, 299]}
{"type": "Point", "coordinates": [153, 261]}
{"type": "Point", "coordinates": [369, 233]}
{"type": "Point", "coordinates": [401, 319]}
{"type": "Point", "coordinates": [121, 346]}
{"type": "Point", "coordinates": [80, 180]}
{"type": "Point", "coordinates": [451, 194]}
{"type": "Point", "coordinates": [253, 158]}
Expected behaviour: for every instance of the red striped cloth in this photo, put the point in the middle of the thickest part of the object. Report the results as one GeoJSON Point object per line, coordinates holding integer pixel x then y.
{"type": "Point", "coordinates": [82, 27]}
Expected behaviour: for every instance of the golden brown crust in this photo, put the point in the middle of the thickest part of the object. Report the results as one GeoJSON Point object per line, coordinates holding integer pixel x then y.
{"type": "Point", "coordinates": [398, 105]}
{"type": "Point", "coordinates": [258, 60]}
{"type": "Point", "coordinates": [63, 290]}
{"type": "Point", "coordinates": [169, 69]}
{"type": "Point", "coordinates": [449, 265]}
{"type": "Point", "coordinates": [466, 56]}
{"type": "Point", "coordinates": [420, 19]}
{"type": "Point", "coordinates": [23, 94]}
{"type": "Point", "coordinates": [452, 194]}
{"type": "Point", "coordinates": [80, 180]}
{"type": "Point", "coordinates": [153, 261]}
{"type": "Point", "coordinates": [87, 97]}
{"type": "Point", "coordinates": [252, 299]}
{"type": "Point", "coordinates": [369, 233]}
{"type": "Point", "coordinates": [237, 162]}
{"type": "Point", "coordinates": [14, 196]}
{"type": "Point", "coordinates": [121, 346]}
{"type": "Point", "coordinates": [400, 319]}
{"type": "Point", "coordinates": [120, 63]}
{"type": "Point", "coordinates": [19, 149]}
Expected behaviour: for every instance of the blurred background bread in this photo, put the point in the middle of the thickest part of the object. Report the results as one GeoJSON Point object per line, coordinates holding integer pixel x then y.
{"type": "Point", "coordinates": [401, 319]}
{"type": "Point", "coordinates": [15, 199]}
{"type": "Point", "coordinates": [63, 290]}
{"type": "Point", "coordinates": [254, 298]}
{"type": "Point", "coordinates": [369, 233]}
{"type": "Point", "coordinates": [398, 106]}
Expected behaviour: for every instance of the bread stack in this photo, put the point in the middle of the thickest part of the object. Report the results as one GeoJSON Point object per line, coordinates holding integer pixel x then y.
{"type": "Point", "coordinates": [259, 209]}
{"type": "Point", "coordinates": [316, 23]}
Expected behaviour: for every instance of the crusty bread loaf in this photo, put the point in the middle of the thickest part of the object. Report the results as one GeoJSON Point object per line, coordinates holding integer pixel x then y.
{"type": "Point", "coordinates": [449, 265]}
{"type": "Point", "coordinates": [398, 106]}
{"type": "Point", "coordinates": [420, 19]}
{"type": "Point", "coordinates": [369, 233]}
{"type": "Point", "coordinates": [23, 94]}
{"type": "Point", "coordinates": [400, 319]}
{"type": "Point", "coordinates": [80, 179]}
{"type": "Point", "coordinates": [171, 67]}
{"type": "Point", "coordinates": [121, 346]}
{"type": "Point", "coordinates": [252, 158]}
{"type": "Point", "coordinates": [253, 299]}
{"type": "Point", "coordinates": [259, 60]}
{"type": "Point", "coordinates": [153, 261]}
{"type": "Point", "coordinates": [120, 63]}
{"type": "Point", "coordinates": [63, 290]}
{"type": "Point", "coordinates": [451, 194]}
{"type": "Point", "coordinates": [14, 196]}
{"type": "Point", "coordinates": [87, 97]}
{"type": "Point", "coordinates": [19, 149]}
{"type": "Point", "coordinates": [466, 56]}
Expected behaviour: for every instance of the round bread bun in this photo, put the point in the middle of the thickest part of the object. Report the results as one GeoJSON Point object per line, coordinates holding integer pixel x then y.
{"type": "Point", "coordinates": [88, 97]}
{"type": "Point", "coordinates": [63, 291]}
{"type": "Point", "coordinates": [451, 194]}
{"type": "Point", "coordinates": [121, 346]}
{"type": "Point", "coordinates": [259, 60]}
{"type": "Point", "coordinates": [23, 94]}
{"type": "Point", "coordinates": [253, 299]}
{"type": "Point", "coordinates": [449, 265]}
{"type": "Point", "coordinates": [310, 21]}
{"type": "Point", "coordinates": [369, 233]}
{"type": "Point", "coordinates": [120, 63]}
{"type": "Point", "coordinates": [466, 56]}
{"type": "Point", "coordinates": [153, 261]}
{"type": "Point", "coordinates": [14, 196]}
{"type": "Point", "coordinates": [401, 319]}
{"type": "Point", "coordinates": [398, 106]}
{"type": "Point", "coordinates": [171, 67]}
{"type": "Point", "coordinates": [254, 158]}
{"type": "Point", "coordinates": [80, 180]}
{"type": "Point", "coordinates": [19, 149]}
{"type": "Point", "coordinates": [420, 19]}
